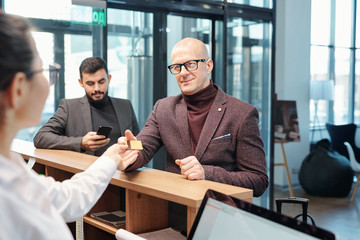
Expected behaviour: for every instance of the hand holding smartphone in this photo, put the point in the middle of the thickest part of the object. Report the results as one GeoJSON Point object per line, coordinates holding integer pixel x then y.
{"type": "Point", "coordinates": [104, 130]}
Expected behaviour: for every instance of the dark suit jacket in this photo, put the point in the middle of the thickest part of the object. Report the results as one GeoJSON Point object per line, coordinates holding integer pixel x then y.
{"type": "Point", "coordinates": [72, 121]}
{"type": "Point", "coordinates": [237, 160]}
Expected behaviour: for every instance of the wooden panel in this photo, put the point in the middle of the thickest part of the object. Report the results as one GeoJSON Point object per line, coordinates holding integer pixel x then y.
{"type": "Point", "coordinates": [92, 233]}
{"type": "Point", "coordinates": [113, 199]}
{"type": "Point", "coordinates": [39, 168]}
{"type": "Point", "coordinates": [145, 213]}
{"type": "Point", "coordinates": [191, 214]}
{"type": "Point", "coordinates": [57, 174]}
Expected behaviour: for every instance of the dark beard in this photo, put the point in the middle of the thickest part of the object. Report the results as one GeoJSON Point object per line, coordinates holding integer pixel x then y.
{"type": "Point", "coordinates": [99, 103]}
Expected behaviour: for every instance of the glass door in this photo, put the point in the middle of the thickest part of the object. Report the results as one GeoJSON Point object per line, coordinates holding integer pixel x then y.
{"type": "Point", "coordinates": [77, 48]}
{"type": "Point", "coordinates": [130, 59]}
{"type": "Point", "coordinates": [249, 71]}
{"type": "Point", "coordinates": [45, 45]}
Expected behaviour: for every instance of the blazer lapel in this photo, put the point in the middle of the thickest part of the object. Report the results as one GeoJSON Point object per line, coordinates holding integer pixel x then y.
{"type": "Point", "coordinates": [183, 126]}
{"type": "Point", "coordinates": [212, 122]}
{"type": "Point", "coordinates": [86, 113]}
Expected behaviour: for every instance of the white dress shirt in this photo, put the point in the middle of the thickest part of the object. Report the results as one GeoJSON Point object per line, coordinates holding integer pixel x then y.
{"type": "Point", "coordinates": [37, 207]}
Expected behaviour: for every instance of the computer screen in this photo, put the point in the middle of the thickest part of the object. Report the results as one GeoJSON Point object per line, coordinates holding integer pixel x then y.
{"type": "Point", "coordinates": [223, 217]}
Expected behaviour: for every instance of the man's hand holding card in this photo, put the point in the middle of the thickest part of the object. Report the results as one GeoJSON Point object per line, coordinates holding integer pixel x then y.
{"type": "Point", "coordinates": [130, 140]}
{"type": "Point", "coordinates": [133, 145]}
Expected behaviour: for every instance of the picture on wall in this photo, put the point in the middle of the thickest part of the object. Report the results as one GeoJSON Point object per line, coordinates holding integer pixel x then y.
{"type": "Point", "coordinates": [286, 125]}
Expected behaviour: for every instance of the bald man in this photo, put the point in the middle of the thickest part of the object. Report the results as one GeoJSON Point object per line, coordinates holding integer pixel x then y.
{"type": "Point", "coordinates": [207, 134]}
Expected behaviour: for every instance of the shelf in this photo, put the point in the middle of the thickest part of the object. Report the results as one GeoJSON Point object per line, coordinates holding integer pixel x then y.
{"type": "Point", "coordinates": [101, 225]}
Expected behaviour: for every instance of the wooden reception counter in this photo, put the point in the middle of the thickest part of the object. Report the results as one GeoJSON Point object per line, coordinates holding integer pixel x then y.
{"type": "Point", "coordinates": [147, 191]}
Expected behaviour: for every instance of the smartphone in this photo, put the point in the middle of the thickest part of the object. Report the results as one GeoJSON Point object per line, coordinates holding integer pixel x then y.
{"type": "Point", "coordinates": [104, 130]}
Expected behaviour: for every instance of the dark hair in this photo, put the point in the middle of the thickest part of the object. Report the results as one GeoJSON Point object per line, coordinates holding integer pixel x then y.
{"type": "Point", "coordinates": [16, 50]}
{"type": "Point", "coordinates": [92, 65]}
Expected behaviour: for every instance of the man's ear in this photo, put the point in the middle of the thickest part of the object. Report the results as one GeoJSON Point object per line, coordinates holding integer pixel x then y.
{"type": "Point", "coordinates": [81, 83]}
{"type": "Point", "coordinates": [17, 89]}
{"type": "Point", "coordinates": [209, 66]}
{"type": "Point", "coordinates": [109, 78]}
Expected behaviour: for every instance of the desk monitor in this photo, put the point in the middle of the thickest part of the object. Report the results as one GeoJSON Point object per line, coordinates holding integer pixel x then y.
{"type": "Point", "coordinates": [223, 217]}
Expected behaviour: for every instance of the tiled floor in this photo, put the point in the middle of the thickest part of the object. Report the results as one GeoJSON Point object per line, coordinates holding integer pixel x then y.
{"type": "Point", "coordinates": [338, 215]}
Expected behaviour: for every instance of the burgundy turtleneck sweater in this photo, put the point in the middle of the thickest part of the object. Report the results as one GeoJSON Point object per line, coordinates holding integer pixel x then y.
{"type": "Point", "coordinates": [198, 106]}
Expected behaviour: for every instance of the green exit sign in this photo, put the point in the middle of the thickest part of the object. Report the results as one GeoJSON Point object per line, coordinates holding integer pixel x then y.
{"type": "Point", "coordinates": [99, 17]}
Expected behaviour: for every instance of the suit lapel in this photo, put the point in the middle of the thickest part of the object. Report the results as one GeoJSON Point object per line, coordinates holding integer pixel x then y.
{"type": "Point", "coordinates": [86, 113]}
{"type": "Point", "coordinates": [212, 122]}
{"type": "Point", "coordinates": [183, 126]}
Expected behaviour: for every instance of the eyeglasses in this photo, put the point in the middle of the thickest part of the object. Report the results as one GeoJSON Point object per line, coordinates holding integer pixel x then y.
{"type": "Point", "coordinates": [53, 71]}
{"type": "Point", "coordinates": [190, 66]}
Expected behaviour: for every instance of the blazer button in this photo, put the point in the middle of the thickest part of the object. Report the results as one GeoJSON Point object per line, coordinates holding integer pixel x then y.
{"type": "Point", "coordinates": [219, 109]}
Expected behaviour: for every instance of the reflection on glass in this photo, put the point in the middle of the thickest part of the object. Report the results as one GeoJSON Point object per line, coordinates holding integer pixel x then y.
{"type": "Point", "coordinates": [320, 57]}
{"type": "Point", "coordinates": [333, 59]}
{"type": "Point", "coordinates": [130, 59]}
{"type": "Point", "coordinates": [77, 48]}
{"type": "Point", "coordinates": [255, 3]}
{"type": "Point", "coordinates": [343, 23]}
{"type": "Point", "coordinates": [249, 62]}
{"type": "Point", "coordinates": [342, 86]}
{"type": "Point", "coordinates": [248, 68]}
{"type": "Point", "coordinates": [358, 24]}
{"type": "Point", "coordinates": [220, 58]}
{"type": "Point", "coordinates": [319, 63]}
{"type": "Point", "coordinates": [45, 45]}
{"type": "Point", "coordinates": [179, 28]}
{"type": "Point", "coordinates": [320, 22]}
{"type": "Point", "coordinates": [45, 9]}
{"type": "Point", "coordinates": [322, 113]}
{"type": "Point", "coordinates": [357, 89]}
{"type": "Point", "coordinates": [319, 69]}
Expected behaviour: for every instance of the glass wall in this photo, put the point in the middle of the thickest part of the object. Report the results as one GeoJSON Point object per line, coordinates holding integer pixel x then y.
{"type": "Point", "coordinates": [342, 86]}
{"type": "Point", "coordinates": [45, 45]}
{"type": "Point", "coordinates": [357, 67]}
{"type": "Point", "coordinates": [256, 3]}
{"type": "Point", "coordinates": [77, 48]}
{"type": "Point", "coordinates": [248, 68]}
{"type": "Point", "coordinates": [42, 9]}
{"type": "Point", "coordinates": [334, 56]}
{"type": "Point", "coordinates": [319, 69]}
{"type": "Point", "coordinates": [130, 58]}
{"type": "Point", "coordinates": [357, 88]}
{"type": "Point", "coordinates": [248, 56]}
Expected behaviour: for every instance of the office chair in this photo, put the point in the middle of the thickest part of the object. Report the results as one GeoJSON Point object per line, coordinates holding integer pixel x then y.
{"type": "Point", "coordinates": [355, 165]}
{"type": "Point", "coordinates": [340, 134]}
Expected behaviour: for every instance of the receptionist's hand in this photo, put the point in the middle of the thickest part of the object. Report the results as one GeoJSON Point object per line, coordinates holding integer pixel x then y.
{"type": "Point", "coordinates": [122, 156]}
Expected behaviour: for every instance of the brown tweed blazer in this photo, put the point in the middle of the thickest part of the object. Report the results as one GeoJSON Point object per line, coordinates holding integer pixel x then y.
{"type": "Point", "coordinates": [237, 160]}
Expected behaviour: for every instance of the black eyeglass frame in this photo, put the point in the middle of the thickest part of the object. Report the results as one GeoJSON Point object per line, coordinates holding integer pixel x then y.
{"type": "Point", "coordinates": [53, 70]}
{"type": "Point", "coordinates": [171, 67]}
